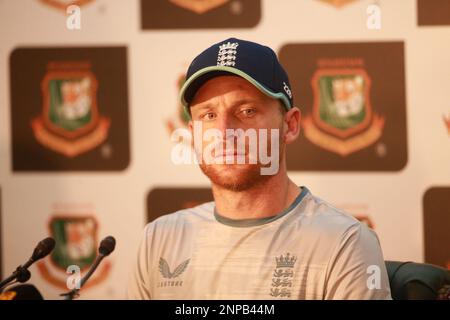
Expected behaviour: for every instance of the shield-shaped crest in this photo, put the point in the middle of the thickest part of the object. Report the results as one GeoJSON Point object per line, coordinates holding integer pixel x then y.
{"type": "Point", "coordinates": [76, 241]}
{"type": "Point", "coordinates": [70, 122]}
{"type": "Point", "coordinates": [76, 245]}
{"type": "Point", "coordinates": [63, 4]}
{"type": "Point", "coordinates": [342, 120]}
{"type": "Point", "coordinates": [341, 101]}
{"type": "Point", "coordinates": [199, 6]}
{"type": "Point", "coordinates": [70, 102]}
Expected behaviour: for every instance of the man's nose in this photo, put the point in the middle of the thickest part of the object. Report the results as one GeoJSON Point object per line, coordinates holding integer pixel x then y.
{"type": "Point", "coordinates": [225, 122]}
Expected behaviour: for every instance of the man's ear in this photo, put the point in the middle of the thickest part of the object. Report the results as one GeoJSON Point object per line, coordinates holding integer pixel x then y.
{"type": "Point", "coordinates": [292, 124]}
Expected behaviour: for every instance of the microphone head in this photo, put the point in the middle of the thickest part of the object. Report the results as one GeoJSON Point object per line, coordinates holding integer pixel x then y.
{"type": "Point", "coordinates": [107, 246]}
{"type": "Point", "coordinates": [22, 292]}
{"type": "Point", "coordinates": [43, 248]}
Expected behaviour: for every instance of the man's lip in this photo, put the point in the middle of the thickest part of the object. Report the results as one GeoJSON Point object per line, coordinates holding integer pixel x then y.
{"type": "Point", "coordinates": [228, 154]}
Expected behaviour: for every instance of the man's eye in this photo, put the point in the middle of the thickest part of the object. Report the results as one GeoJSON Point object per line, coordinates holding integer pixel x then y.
{"type": "Point", "coordinates": [248, 112]}
{"type": "Point", "coordinates": [209, 116]}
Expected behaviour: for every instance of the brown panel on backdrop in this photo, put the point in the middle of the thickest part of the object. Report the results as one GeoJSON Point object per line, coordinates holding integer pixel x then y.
{"type": "Point", "coordinates": [352, 98]}
{"type": "Point", "coordinates": [161, 201]}
{"type": "Point", "coordinates": [209, 14]}
{"type": "Point", "coordinates": [69, 109]}
{"type": "Point", "coordinates": [433, 12]}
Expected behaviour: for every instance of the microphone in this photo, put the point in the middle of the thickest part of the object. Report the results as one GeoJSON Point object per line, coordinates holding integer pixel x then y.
{"type": "Point", "coordinates": [43, 248]}
{"type": "Point", "coordinates": [22, 292]}
{"type": "Point", "coordinates": [107, 246]}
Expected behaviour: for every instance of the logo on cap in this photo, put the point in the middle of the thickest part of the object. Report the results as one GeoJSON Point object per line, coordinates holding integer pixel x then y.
{"type": "Point", "coordinates": [287, 90]}
{"type": "Point", "coordinates": [227, 54]}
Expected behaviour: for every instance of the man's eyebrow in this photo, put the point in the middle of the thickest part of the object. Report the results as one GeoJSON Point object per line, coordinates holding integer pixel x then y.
{"type": "Point", "coordinates": [237, 103]}
{"type": "Point", "coordinates": [244, 101]}
{"type": "Point", "coordinates": [201, 106]}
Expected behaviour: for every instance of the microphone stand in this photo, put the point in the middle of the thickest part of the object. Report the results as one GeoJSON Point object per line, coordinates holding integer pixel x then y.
{"type": "Point", "coordinates": [107, 246]}
{"type": "Point", "coordinates": [22, 274]}
{"type": "Point", "coordinates": [43, 248]}
{"type": "Point", "coordinates": [74, 293]}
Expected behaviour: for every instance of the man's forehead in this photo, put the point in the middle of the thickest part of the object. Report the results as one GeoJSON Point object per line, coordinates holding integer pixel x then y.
{"type": "Point", "coordinates": [227, 87]}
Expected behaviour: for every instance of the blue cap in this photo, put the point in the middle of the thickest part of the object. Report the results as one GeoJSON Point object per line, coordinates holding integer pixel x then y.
{"type": "Point", "coordinates": [255, 63]}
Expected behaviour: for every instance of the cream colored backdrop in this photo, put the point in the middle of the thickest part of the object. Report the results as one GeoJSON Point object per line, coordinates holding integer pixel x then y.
{"type": "Point", "coordinates": [156, 59]}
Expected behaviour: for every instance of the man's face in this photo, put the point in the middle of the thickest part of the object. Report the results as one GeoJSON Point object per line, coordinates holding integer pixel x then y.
{"type": "Point", "coordinates": [231, 102]}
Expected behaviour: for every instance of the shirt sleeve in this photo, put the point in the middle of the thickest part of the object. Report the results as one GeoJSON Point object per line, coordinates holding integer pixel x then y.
{"type": "Point", "coordinates": [139, 280]}
{"type": "Point", "coordinates": [357, 268]}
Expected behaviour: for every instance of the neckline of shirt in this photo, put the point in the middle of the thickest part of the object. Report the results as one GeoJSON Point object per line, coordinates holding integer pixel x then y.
{"type": "Point", "coordinates": [242, 223]}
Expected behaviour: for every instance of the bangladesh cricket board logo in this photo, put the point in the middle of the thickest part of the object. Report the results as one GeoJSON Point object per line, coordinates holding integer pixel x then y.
{"type": "Point", "coordinates": [342, 119]}
{"type": "Point", "coordinates": [70, 122]}
{"type": "Point", "coordinates": [199, 6]}
{"type": "Point", "coordinates": [76, 244]}
{"type": "Point", "coordinates": [63, 4]}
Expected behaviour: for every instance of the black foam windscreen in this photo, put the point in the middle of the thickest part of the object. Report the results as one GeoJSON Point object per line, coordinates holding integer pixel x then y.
{"type": "Point", "coordinates": [107, 246]}
{"type": "Point", "coordinates": [43, 248]}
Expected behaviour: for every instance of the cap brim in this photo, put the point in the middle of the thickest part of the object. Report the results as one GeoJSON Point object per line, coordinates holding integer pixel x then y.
{"type": "Point", "coordinates": [195, 81]}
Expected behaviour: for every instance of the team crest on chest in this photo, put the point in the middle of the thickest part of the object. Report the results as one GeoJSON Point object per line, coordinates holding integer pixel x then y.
{"type": "Point", "coordinates": [283, 275]}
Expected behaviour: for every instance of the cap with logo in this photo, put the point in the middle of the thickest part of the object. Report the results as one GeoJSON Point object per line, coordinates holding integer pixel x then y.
{"type": "Point", "coordinates": [254, 62]}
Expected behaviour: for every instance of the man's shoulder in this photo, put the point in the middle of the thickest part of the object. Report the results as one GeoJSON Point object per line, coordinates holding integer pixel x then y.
{"type": "Point", "coordinates": [329, 229]}
{"type": "Point", "coordinates": [182, 218]}
{"type": "Point", "coordinates": [320, 216]}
